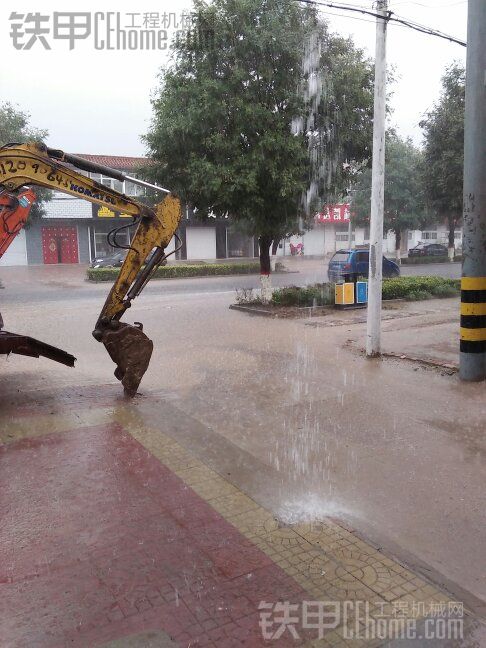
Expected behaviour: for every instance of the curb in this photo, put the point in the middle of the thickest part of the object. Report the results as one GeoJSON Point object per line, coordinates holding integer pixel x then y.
{"type": "Point", "coordinates": [303, 311]}
{"type": "Point", "coordinates": [434, 364]}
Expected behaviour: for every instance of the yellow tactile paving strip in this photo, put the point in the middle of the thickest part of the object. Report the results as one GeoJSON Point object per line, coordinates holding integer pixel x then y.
{"type": "Point", "coordinates": [328, 561]}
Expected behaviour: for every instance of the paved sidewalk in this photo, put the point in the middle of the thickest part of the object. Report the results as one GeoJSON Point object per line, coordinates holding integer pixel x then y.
{"type": "Point", "coordinates": [424, 332]}
{"type": "Point", "coordinates": [114, 534]}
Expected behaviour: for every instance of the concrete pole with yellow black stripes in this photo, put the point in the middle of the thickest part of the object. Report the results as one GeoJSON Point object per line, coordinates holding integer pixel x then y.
{"type": "Point", "coordinates": [472, 364]}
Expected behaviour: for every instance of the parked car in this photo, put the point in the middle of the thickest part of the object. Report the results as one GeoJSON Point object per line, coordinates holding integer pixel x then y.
{"type": "Point", "coordinates": [350, 264]}
{"type": "Point", "coordinates": [428, 249]}
{"type": "Point", "coordinates": [112, 261]}
{"type": "Point", "coordinates": [116, 260]}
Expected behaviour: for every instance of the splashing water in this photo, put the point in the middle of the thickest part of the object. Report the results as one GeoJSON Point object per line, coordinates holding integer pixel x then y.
{"type": "Point", "coordinates": [311, 508]}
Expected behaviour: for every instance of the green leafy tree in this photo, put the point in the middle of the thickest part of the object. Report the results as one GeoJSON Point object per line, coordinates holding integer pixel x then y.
{"type": "Point", "coordinates": [444, 151]}
{"type": "Point", "coordinates": [15, 127]}
{"type": "Point", "coordinates": [221, 133]}
{"type": "Point", "coordinates": [404, 206]}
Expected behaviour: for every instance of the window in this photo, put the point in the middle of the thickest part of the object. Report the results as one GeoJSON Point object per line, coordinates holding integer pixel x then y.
{"type": "Point", "coordinates": [458, 234]}
{"type": "Point", "coordinates": [340, 256]}
{"type": "Point", "coordinates": [342, 233]}
{"type": "Point", "coordinates": [429, 236]}
{"type": "Point", "coordinates": [127, 187]}
{"type": "Point", "coordinates": [108, 182]}
{"type": "Point", "coordinates": [362, 257]}
{"type": "Point", "coordinates": [132, 189]}
{"type": "Point", "coordinates": [104, 249]}
{"type": "Point", "coordinates": [238, 244]}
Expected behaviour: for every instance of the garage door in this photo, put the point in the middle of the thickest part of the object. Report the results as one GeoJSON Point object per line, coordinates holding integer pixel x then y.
{"type": "Point", "coordinates": [201, 242]}
{"type": "Point", "coordinates": [16, 253]}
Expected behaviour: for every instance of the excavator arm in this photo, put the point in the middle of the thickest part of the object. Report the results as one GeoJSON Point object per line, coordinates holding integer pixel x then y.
{"type": "Point", "coordinates": [23, 165]}
{"type": "Point", "coordinates": [14, 211]}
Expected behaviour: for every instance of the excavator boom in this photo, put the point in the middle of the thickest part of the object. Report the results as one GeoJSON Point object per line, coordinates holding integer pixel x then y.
{"type": "Point", "coordinates": [23, 165]}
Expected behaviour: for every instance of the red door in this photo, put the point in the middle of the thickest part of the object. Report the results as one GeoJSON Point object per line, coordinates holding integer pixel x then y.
{"type": "Point", "coordinates": [60, 244]}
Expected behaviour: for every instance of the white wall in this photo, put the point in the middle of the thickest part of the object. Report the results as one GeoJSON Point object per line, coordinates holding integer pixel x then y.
{"type": "Point", "coordinates": [321, 241]}
{"type": "Point", "coordinates": [16, 253]}
{"type": "Point", "coordinates": [442, 235]}
{"type": "Point", "coordinates": [63, 206]}
{"type": "Point", "coordinates": [201, 242]}
{"type": "Point", "coordinates": [314, 240]}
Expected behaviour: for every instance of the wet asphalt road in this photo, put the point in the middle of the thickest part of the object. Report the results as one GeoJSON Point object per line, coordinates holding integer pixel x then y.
{"type": "Point", "coordinates": [40, 283]}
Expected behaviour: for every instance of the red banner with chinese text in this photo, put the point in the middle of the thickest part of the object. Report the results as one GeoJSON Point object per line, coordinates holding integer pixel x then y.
{"type": "Point", "coordinates": [334, 214]}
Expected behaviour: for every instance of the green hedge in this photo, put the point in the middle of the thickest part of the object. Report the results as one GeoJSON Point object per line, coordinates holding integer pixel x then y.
{"type": "Point", "coordinates": [410, 288]}
{"type": "Point", "coordinates": [175, 271]}
{"type": "Point", "coordinates": [418, 260]}
{"type": "Point", "coordinates": [420, 287]}
{"type": "Point", "coordinates": [316, 295]}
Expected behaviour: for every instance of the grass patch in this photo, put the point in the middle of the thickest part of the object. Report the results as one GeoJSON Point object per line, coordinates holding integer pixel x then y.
{"type": "Point", "coordinates": [177, 271]}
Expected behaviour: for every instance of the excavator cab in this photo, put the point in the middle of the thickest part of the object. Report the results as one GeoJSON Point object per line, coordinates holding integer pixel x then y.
{"type": "Point", "coordinates": [23, 165]}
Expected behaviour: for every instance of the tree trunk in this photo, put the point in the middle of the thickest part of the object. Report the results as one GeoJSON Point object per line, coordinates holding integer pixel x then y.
{"type": "Point", "coordinates": [398, 243]}
{"type": "Point", "coordinates": [452, 243]}
{"type": "Point", "coordinates": [265, 268]}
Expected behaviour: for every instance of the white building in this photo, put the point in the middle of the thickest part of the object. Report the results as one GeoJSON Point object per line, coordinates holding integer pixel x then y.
{"type": "Point", "coordinates": [331, 232]}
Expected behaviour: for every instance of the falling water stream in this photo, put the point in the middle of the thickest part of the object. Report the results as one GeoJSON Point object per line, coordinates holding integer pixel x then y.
{"type": "Point", "coordinates": [306, 450]}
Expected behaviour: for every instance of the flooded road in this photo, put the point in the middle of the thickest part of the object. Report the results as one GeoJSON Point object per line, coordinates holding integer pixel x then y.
{"type": "Point", "coordinates": [303, 426]}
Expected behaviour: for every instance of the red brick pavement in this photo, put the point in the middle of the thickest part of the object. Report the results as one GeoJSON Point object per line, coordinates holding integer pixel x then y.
{"type": "Point", "coordinates": [99, 540]}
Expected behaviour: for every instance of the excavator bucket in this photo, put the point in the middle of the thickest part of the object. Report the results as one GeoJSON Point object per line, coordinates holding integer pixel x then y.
{"type": "Point", "coordinates": [130, 349]}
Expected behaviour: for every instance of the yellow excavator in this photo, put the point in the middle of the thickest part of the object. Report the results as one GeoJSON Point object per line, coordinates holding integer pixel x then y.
{"type": "Point", "coordinates": [34, 164]}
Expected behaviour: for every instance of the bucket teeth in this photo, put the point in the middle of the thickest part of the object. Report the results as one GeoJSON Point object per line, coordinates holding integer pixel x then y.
{"type": "Point", "coordinates": [131, 350]}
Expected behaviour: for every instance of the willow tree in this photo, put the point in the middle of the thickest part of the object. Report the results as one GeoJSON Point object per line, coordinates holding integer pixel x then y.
{"type": "Point", "coordinates": [222, 135]}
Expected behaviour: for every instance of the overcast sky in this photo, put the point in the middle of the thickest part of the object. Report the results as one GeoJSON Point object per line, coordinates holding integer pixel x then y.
{"type": "Point", "coordinates": [98, 101]}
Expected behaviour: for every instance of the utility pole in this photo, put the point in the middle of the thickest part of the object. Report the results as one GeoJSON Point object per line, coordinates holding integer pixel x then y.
{"type": "Point", "coordinates": [373, 324]}
{"type": "Point", "coordinates": [472, 365]}
{"type": "Point", "coordinates": [350, 234]}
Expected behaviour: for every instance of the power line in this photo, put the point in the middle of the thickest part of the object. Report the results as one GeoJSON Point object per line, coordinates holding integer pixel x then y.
{"type": "Point", "coordinates": [343, 15]}
{"type": "Point", "coordinates": [391, 17]}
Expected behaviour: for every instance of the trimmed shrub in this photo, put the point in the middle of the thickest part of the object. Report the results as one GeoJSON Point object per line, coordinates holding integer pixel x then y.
{"type": "Point", "coordinates": [401, 287]}
{"type": "Point", "coordinates": [316, 295]}
{"type": "Point", "coordinates": [418, 260]}
{"type": "Point", "coordinates": [446, 291]}
{"type": "Point", "coordinates": [410, 288]}
{"type": "Point", "coordinates": [176, 271]}
{"type": "Point", "coordinates": [418, 295]}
